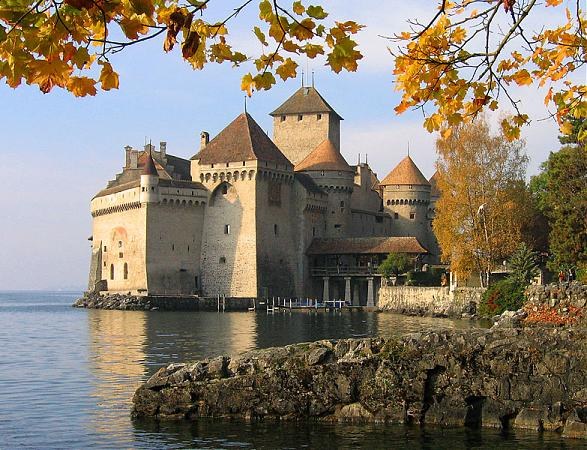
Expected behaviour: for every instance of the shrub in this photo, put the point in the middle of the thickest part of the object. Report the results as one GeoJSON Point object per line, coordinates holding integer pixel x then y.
{"type": "Point", "coordinates": [429, 278]}
{"type": "Point", "coordinates": [505, 295]}
{"type": "Point", "coordinates": [523, 265]}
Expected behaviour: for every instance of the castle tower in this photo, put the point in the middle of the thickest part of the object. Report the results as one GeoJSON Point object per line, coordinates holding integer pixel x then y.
{"type": "Point", "coordinates": [330, 171]}
{"type": "Point", "coordinates": [302, 122]}
{"type": "Point", "coordinates": [149, 182]}
{"type": "Point", "coordinates": [248, 244]}
{"type": "Point", "coordinates": [406, 197]}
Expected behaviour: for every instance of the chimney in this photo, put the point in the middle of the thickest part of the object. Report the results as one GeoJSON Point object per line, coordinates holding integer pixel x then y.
{"type": "Point", "coordinates": [163, 149]}
{"type": "Point", "coordinates": [127, 152]}
{"type": "Point", "coordinates": [149, 148]}
{"type": "Point", "coordinates": [133, 160]}
{"type": "Point", "coordinates": [204, 139]}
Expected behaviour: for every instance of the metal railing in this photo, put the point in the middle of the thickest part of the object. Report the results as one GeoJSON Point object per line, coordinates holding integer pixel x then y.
{"type": "Point", "coordinates": [344, 271]}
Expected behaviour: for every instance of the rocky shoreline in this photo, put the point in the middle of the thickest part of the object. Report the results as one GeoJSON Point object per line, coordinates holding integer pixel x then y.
{"type": "Point", "coordinates": [525, 378]}
{"type": "Point", "coordinates": [127, 302]}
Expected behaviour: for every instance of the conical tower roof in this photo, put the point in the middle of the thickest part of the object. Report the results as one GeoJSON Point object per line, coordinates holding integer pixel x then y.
{"type": "Point", "coordinates": [242, 140]}
{"type": "Point", "coordinates": [406, 172]}
{"type": "Point", "coordinates": [324, 157]}
{"type": "Point", "coordinates": [149, 167]}
{"type": "Point", "coordinates": [305, 100]}
{"type": "Point", "coordinates": [434, 192]}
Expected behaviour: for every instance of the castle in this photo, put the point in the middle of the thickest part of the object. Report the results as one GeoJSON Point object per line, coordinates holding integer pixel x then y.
{"type": "Point", "coordinates": [250, 216]}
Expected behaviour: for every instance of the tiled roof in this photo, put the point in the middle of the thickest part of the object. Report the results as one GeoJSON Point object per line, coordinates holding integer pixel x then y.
{"type": "Point", "coordinates": [434, 192]}
{"type": "Point", "coordinates": [165, 182]}
{"type": "Point", "coordinates": [406, 172]}
{"type": "Point", "coordinates": [242, 140]}
{"type": "Point", "coordinates": [324, 157]}
{"type": "Point", "coordinates": [368, 245]}
{"type": "Point", "coordinates": [304, 101]}
{"type": "Point", "coordinates": [118, 188]}
{"type": "Point", "coordinates": [308, 183]}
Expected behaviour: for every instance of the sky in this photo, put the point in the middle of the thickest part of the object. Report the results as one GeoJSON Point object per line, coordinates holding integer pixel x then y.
{"type": "Point", "coordinates": [58, 151]}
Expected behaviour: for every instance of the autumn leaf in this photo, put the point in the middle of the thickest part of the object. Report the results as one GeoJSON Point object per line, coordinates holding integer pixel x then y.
{"type": "Point", "coordinates": [317, 12]}
{"type": "Point", "coordinates": [190, 45]}
{"type": "Point", "coordinates": [247, 84]}
{"type": "Point", "coordinates": [145, 7]}
{"type": "Point", "coordinates": [49, 73]}
{"type": "Point", "coordinates": [82, 86]}
{"type": "Point", "coordinates": [108, 78]}
{"type": "Point", "coordinates": [287, 69]}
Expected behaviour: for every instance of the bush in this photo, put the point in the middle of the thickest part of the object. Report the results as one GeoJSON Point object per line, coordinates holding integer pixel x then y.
{"type": "Point", "coordinates": [505, 295]}
{"type": "Point", "coordinates": [429, 278]}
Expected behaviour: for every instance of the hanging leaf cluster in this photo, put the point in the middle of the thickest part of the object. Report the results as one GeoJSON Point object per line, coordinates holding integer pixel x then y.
{"type": "Point", "coordinates": [68, 43]}
{"type": "Point", "coordinates": [468, 57]}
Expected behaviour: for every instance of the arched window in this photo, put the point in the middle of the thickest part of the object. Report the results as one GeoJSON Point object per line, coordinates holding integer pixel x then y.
{"type": "Point", "coordinates": [112, 271]}
{"type": "Point", "coordinates": [125, 273]}
{"type": "Point", "coordinates": [388, 202]}
{"type": "Point", "coordinates": [224, 189]}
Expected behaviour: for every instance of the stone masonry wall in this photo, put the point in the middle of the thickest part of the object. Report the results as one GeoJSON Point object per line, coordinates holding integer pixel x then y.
{"type": "Point", "coordinates": [435, 301]}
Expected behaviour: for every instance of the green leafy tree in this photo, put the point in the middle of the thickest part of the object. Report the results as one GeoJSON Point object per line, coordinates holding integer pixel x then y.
{"type": "Point", "coordinates": [523, 265]}
{"type": "Point", "coordinates": [394, 264]}
{"type": "Point", "coordinates": [561, 193]}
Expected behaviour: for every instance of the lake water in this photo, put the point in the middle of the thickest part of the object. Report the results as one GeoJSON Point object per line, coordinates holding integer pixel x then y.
{"type": "Point", "coordinates": [67, 377]}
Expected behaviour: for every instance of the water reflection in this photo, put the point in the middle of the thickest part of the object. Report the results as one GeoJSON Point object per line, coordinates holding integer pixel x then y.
{"type": "Point", "coordinates": [125, 347]}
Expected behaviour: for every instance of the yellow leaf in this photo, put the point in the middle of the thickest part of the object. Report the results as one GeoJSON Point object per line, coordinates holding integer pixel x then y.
{"type": "Point", "coordinates": [247, 84]}
{"type": "Point", "coordinates": [298, 8]}
{"type": "Point", "coordinates": [108, 78]}
{"type": "Point", "coordinates": [522, 78]}
{"type": "Point", "coordinates": [81, 86]}
{"type": "Point", "coordinates": [287, 69]}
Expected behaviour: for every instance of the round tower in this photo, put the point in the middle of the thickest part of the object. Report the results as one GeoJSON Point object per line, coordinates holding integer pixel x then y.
{"type": "Point", "coordinates": [329, 170]}
{"type": "Point", "coordinates": [149, 182]}
{"type": "Point", "coordinates": [406, 198]}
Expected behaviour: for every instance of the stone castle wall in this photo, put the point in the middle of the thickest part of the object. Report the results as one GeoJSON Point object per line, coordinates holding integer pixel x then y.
{"type": "Point", "coordinates": [228, 259]}
{"type": "Point", "coordinates": [277, 258]}
{"type": "Point", "coordinates": [435, 301]}
{"type": "Point", "coordinates": [297, 138]}
{"type": "Point", "coordinates": [174, 240]}
{"type": "Point", "coordinates": [121, 238]}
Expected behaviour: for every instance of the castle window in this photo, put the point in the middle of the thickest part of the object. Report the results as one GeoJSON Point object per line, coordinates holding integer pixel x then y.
{"type": "Point", "coordinates": [226, 229]}
{"type": "Point", "coordinates": [244, 163]}
{"type": "Point", "coordinates": [120, 255]}
{"type": "Point", "coordinates": [119, 244]}
{"type": "Point", "coordinates": [412, 215]}
{"type": "Point", "coordinates": [395, 215]}
{"type": "Point", "coordinates": [125, 271]}
{"type": "Point", "coordinates": [388, 202]}
{"type": "Point", "coordinates": [342, 204]}
{"type": "Point", "coordinates": [224, 189]}
{"type": "Point", "coordinates": [319, 117]}
{"type": "Point", "coordinates": [104, 263]}
{"type": "Point", "coordinates": [172, 247]}
{"type": "Point", "coordinates": [152, 188]}
{"type": "Point", "coordinates": [196, 282]}
{"type": "Point", "coordinates": [275, 229]}
{"type": "Point", "coordinates": [300, 117]}
{"type": "Point", "coordinates": [337, 225]}
{"type": "Point", "coordinates": [211, 166]}
{"type": "Point", "coordinates": [411, 186]}
{"type": "Point", "coordinates": [105, 249]}
{"type": "Point", "coordinates": [188, 248]}
{"type": "Point", "coordinates": [283, 118]}
{"type": "Point", "coordinates": [322, 173]}
{"type": "Point", "coordinates": [112, 271]}
{"type": "Point", "coordinates": [227, 164]}
{"type": "Point", "coordinates": [222, 260]}
{"type": "Point", "coordinates": [313, 231]}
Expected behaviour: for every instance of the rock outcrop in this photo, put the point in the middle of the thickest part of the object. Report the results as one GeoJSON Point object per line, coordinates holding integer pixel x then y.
{"type": "Point", "coordinates": [531, 378]}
